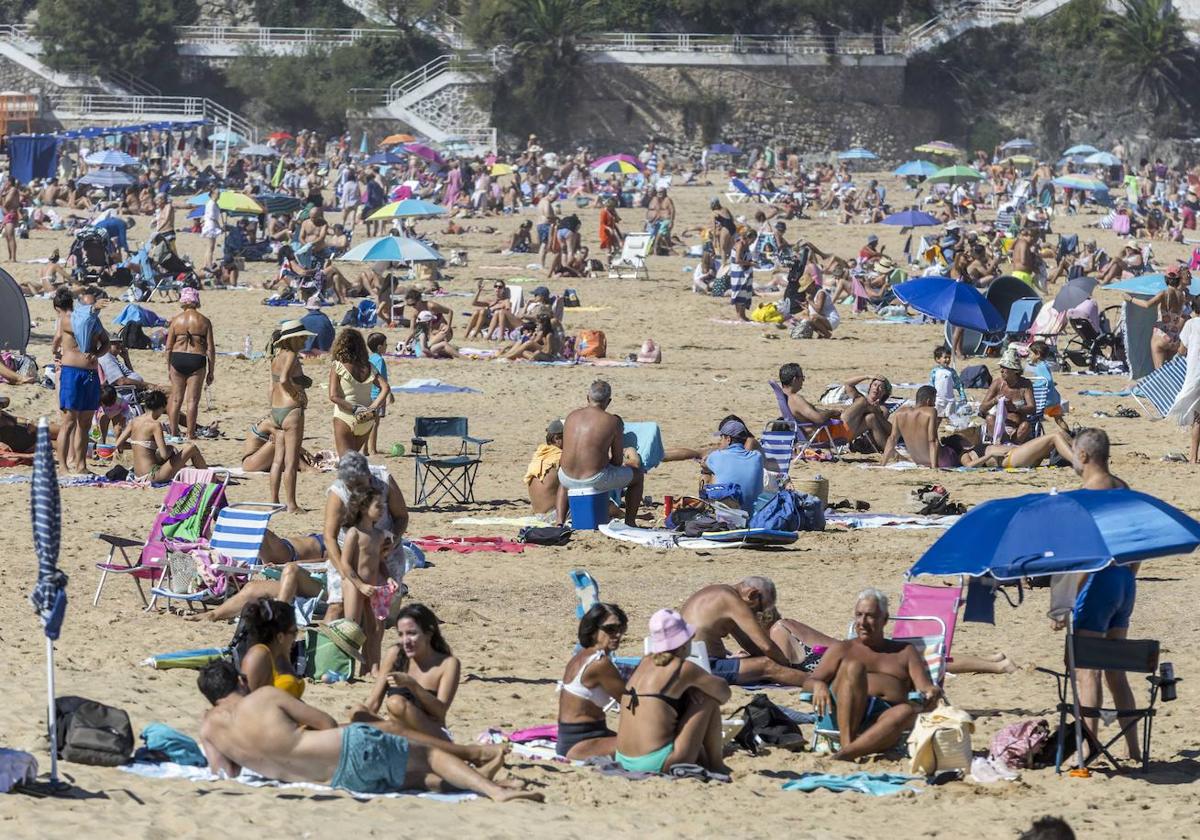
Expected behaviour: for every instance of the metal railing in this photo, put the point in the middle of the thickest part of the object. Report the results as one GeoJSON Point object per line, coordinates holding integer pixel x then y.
{"type": "Point", "coordinates": [267, 37]}
{"type": "Point", "coordinates": [83, 105]}
{"type": "Point", "coordinates": [856, 44]}
{"type": "Point", "coordinates": [462, 62]}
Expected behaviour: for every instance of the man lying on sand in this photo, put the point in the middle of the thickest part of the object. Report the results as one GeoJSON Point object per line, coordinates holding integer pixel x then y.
{"type": "Point", "coordinates": [869, 678]}
{"type": "Point", "coordinates": [719, 611]}
{"type": "Point", "coordinates": [280, 737]}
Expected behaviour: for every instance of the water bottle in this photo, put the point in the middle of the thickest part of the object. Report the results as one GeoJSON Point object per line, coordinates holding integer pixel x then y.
{"type": "Point", "coordinates": [1166, 673]}
{"type": "Point", "coordinates": [247, 347]}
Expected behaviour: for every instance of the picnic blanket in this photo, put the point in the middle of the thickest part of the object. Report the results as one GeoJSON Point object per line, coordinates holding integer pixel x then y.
{"type": "Point", "coordinates": [168, 770]}
{"type": "Point", "coordinates": [468, 545]}
{"type": "Point", "coordinates": [432, 386]}
{"type": "Point", "coordinates": [873, 784]}
{"type": "Point", "coordinates": [888, 520]}
{"type": "Point", "coordinates": [661, 538]}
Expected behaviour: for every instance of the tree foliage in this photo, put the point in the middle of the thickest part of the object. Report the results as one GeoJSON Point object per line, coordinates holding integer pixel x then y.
{"type": "Point", "coordinates": [1148, 44]}
{"type": "Point", "coordinates": [301, 13]}
{"type": "Point", "coordinates": [136, 36]}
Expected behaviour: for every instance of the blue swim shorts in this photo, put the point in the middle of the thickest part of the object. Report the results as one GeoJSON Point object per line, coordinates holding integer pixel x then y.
{"type": "Point", "coordinates": [78, 389]}
{"type": "Point", "coordinates": [1105, 601]}
{"type": "Point", "coordinates": [372, 761]}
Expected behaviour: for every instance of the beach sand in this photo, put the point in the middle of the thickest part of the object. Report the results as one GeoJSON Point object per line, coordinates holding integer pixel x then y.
{"type": "Point", "coordinates": [510, 618]}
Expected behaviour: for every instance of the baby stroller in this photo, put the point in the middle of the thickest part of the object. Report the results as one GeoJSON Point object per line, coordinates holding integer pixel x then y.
{"type": "Point", "coordinates": [91, 259]}
{"type": "Point", "coordinates": [163, 271]}
{"type": "Point", "coordinates": [1100, 350]}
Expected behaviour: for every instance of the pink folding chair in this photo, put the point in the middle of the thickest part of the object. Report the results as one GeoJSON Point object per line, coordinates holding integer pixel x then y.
{"type": "Point", "coordinates": [924, 608]}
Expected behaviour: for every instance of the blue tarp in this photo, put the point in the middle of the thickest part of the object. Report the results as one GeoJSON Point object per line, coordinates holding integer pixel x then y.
{"type": "Point", "coordinates": [33, 156]}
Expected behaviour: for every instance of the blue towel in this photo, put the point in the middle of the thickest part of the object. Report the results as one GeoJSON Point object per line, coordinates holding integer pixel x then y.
{"type": "Point", "coordinates": [85, 324]}
{"type": "Point", "coordinates": [135, 314]}
{"type": "Point", "coordinates": [166, 744]}
{"type": "Point", "coordinates": [875, 784]}
{"type": "Point", "coordinates": [1125, 392]}
{"type": "Point", "coordinates": [646, 438]}
{"type": "Point", "coordinates": [441, 388]}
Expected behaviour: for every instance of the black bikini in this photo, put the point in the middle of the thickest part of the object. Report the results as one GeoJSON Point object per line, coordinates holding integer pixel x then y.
{"type": "Point", "coordinates": [187, 364]}
{"type": "Point", "coordinates": [676, 703]}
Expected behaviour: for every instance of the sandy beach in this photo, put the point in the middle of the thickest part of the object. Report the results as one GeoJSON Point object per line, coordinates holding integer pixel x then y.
{"type": "Point", "coordinates": [510, 618]}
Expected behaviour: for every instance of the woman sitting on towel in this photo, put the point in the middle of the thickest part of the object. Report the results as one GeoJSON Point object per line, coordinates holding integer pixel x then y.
{"type": "Point", "coordinates": [153, 460]}
{"type": "Point", "coordinates": [591, 686]}
{"type": "Point", "coordinates": [671, 712]}
{"type": "Point", "coordinates": [543, 345]}
{"type": "Point", "coordinates": [270, 632]}
{"type": "Point", "coordinates": [418, 677]}
{"type": "Point", "coordinates": [486, 310]}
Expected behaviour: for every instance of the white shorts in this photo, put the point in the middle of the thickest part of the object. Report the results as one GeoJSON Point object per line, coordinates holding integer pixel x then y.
{"type": "Point", "coordinates": [609, 479]}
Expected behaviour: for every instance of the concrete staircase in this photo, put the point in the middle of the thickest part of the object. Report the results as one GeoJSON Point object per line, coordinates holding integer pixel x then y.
{"type": "Point", "coordinates": [957, 18]}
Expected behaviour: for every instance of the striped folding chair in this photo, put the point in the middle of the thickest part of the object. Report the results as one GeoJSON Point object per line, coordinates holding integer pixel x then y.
{"type": "Point", "coordinates": [778, 449]}
{"type": "Point", "coordinates": [1159, 389]}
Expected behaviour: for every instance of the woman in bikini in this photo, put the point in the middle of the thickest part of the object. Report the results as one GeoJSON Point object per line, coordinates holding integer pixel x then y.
{"type": "Point", "coordinates": [418, 677]}
{"type": "Point", "coordinates": [671, 711]}
{"type": "Point", "coordinates": [288, 402]}
{"type": "Point", "coordinates": [1173, 311]}
{"type": "Point", "coordinates": [543, 346]}
{"type": "Point", "coordinates": [485, 311]}
{"type": "Point", "coordinates": [153, 460]}
{"type": "Point", "coordinates": [351, 378]}
{"type": "Point", "coordinates": [270, 631]}
{"type": "Point", "coordinates": [591, 686]}
{"type": "Point", "coordinates": [191, 359]}
{"type": "Point", "coordinates": [258, 452]}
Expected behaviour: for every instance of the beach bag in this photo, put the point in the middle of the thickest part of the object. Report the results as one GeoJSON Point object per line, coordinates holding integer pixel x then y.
{"type": "Point", "coordinates": [801, 329]}
{"type": "Point", "coordinates": [1018, 744]}
{"type": "Point", "coordinates": [687, 509]}
{"type": "Point", "coordinates": [92, 733]}
{"type": "Point", "coordinates": [135, 337]}
{"type": "Point", "coordinates": [548, 535]}
{"type": "Point", "coordinates": [570, 298]}
{"type": "Point", "coordinates": [592, 344]}
{"type": "Point", "coordinates": [765, 724]}
{"type": "Point", "coordinates": [324, 657]}
{"type": "Point", "coordinates": [767, 313]}
{"type": "Point", "coordinates": [698, 526]}
{"type": "Point", "coordinates": [650, 354]}
{"type": "Point", "coordinates": [788, 510]}
{"type": "Point", "coordinates": [976, 376]}
{"type": "Point", "coordinates": [940, 741]}
{"type": "Point", "coordinates": [164, 744]}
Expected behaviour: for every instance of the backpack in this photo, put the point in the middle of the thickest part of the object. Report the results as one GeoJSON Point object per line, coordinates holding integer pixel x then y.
{"type": "Point", "coordinates": [548, 535]}
{"type": "Point", "coordinates": [92, 733]}
{"type": "Point", "coordinates": [765, 724]}
{"type": "Point", "coordinates": [976, 376]}
{"type": "Point", "coordinates": [592, 344]}
{"type": "Point", "coordinates": [362, 316]}
{"type": "Point", "coordinates": [687, 509]}
{"type": "Point", "coordinates": [788, 510]}
{"type": "Point", "coordinates": [134, 337]}
{"type": "Point", "coordinates": [570, 298]}
{"type": "Point", "coordinates": [1018, 744]}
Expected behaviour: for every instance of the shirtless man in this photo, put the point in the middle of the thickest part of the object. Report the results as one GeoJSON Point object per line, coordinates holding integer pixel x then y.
{"type": "Point", "coordinates": [313, 232]}
{"type": "Point", "coordinates": [1024, 256]}
{"type": "Point", "coordinates": [660, 219]}
{"type": "Point", "coordinates": [593, 456]}
{"type": "Point", "coordinates": [279, 737]}
{"type": "Point", "coordinates": [720, 611]}
{"type": "Point", "coordinates": [1017, 393]}
{"type": "Point", "coordinates": [546, 219]}
{"type": "Point", "coordinates": [870, 677]}
{"type": "Point", "coordinates": [866, 418]}
{"type": "Point", "coordinates": [917, 427]}
{"type": "Point", "coordinates": [164, 216]}
{"type": "Point", "coordinates": [52, 193]}
{"type": "Point", "coordinates": [78, 382]}
{"type": "Point", "coordinates": [791, 378]}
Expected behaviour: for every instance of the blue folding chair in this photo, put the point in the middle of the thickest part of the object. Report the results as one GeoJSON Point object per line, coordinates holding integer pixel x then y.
{"type": "Point", "coordinates": [1160, 388]}
{"type": "Point", "coordinates": [437, 476]}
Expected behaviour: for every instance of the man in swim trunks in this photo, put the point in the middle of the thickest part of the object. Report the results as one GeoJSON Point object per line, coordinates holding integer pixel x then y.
{"type": "Point", "coordinates": [545, 221]}
{"type": "Point", "coordinates": [720, 611]}
{"type": "Point", "coordinates": [916, 427]}
{"type": "Point", "coordinates": [1024, 256]}
{"type": "Point", "coordinates": [869, 678]}
{"type": "Point", "coordinates": [277, 736]}
{"type": "Point", "coordinates": [593, 456]}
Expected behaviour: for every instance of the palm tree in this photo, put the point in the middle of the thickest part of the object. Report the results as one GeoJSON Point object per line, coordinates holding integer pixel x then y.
{"type": "Point", "coordinates": [1148, 43]}
{"type": "Point", "coordinates": [551, 29]}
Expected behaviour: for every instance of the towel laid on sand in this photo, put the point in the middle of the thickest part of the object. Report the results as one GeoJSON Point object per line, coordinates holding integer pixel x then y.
{"type": "Point", "coordinates": [468, 545]}
{"type": "Point", "coordinates": [888, 520]}
{"type": "Point", "coordinates": [432, 386]}
{"type": "Point", "coordinates": [874, 784]}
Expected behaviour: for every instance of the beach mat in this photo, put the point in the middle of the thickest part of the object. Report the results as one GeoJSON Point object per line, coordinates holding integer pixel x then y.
{"type": "Point", "coordinates": [662, 538]}
{"type": "Point", "coordinates": [432, 386]}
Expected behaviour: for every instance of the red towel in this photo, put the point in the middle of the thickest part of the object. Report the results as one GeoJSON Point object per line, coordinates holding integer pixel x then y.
{"type": "Point", "coordinates": [468, 545]}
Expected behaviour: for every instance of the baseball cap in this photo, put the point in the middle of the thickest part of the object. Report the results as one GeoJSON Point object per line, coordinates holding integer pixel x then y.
{"type": "Point", "coordinates": [669, 631]}
{"type": "Point", "coordinates": [733, 429]}
{"type": "Point", "coordinates": [872, 239]}
{"type": "Point", "coordinates": [425, 315]}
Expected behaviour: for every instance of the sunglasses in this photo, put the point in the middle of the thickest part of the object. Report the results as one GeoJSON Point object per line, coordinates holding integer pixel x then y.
{"type": "Point", "coordinates": [613, 629]}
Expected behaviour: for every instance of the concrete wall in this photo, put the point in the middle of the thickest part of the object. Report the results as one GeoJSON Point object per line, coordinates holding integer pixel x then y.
{"type": "Point", "coordinates": [833, 104]}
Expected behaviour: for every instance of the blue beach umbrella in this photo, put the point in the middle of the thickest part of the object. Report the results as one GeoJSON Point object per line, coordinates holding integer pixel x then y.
{"type": "Point", "coordinates": [946, 299]}
{"type": "Point", "coordinates": [911, 218]}
{"type": "Point", "coordinates": [1081, 149]}
{"type": "Point", "coordinates": [110, 157]}
{"type": "Point", "coordinates": [385, 159]}
{"type": "Point", "coordinates": [1055, 533]}
{"type": "Point", "coordinates": [106, 178]}
{"type": "Point", "coordinates": [392, 249]}
{"type": "Point", "coordinates": [1149, 284]}
{"type": "Point", "coordinates": [857, 154]}
{"type": "Point", "coordinates": [49, 596]}
{"type": "Point", "coordinates": [916, 169]}
{"type": "Point", "coordinates": [1102, 159]}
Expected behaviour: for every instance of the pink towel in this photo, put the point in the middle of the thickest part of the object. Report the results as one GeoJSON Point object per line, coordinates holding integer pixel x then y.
{"type": "Point", "coordinates": [469, 545]}
{"type": "Point", "coordinates": [545, 732]}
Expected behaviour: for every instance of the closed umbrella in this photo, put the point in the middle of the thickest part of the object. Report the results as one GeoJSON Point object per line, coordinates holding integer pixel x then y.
{"type": "Point", "coordinates": [916, 169]}
{"type": "Point", "coordinates": [111, 157]}
{"type": "Point", "coordinates": [946, 299]}
{"type": "Point", "coordinates": [106, 178]}
{"type": "Point", "coordinates": [1074, 293]}
{"type": "Point", "coordinates": [49, 596]}
{"type": "Point", "coordinates": [911, 218]}
{"type": "Point", "coordinates": [409, 207]}
{"type": "Point", "coordinates": [400, 249]}
{"type": "Point", "coordinates": [857, 154]}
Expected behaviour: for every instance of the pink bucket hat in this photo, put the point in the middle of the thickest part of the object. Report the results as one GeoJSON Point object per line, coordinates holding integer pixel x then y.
{"type": "Point", "coordinates": [189, 296]}
{"type": "Point", "coordinates": [669, 631]}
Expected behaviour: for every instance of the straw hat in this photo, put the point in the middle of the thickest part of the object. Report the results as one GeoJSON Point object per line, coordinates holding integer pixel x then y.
{"type": "Point", "coordinates": [1009, 360]}
{"type": "Point", "coordinates": [346, 636]}
{"type": "Point", "coordinates": [292, 329]}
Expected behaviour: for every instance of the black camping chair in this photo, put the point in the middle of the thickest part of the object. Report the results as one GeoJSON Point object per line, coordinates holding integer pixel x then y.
{"type": "Point", "coordinates": [1128, 655]}
{"type": "Point", "coordinates": [1089, 344]}
{"type": "Point", "coordinates": [450, 475]}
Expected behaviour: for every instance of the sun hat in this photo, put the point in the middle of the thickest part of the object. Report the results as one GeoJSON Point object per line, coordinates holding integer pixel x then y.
{"type": "Point", "coordinates": [1009, 360]}
{"type": "Point", "coordinates": [189, 296]}
{"type": "Point", "coordinates": [314, 302]}
{"type": "Point", "coordinates": [291, 329]}
{"type": "Point", "coordinates": [346, 636]}
{"type": "Point", "coordinates": [669, 631]}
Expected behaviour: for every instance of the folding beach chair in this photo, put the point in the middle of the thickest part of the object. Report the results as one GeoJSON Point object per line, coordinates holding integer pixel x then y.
{"type": "Point", "coordinates": [631, 263]}
{"type": "Point", "coordinates": [831, 435]}
{"type": "Point", "coordinates": [1128, 655]}
{"type": "Point", "coordinates": [451, 475]}
{"type": "Point", "coordinates": [1159, 389]}
{"type": "Point", "coordinates": [192, 502]}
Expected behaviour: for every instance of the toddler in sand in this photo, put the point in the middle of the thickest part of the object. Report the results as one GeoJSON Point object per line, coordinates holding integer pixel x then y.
{"type": "Point", "coordinates": [369, 601]}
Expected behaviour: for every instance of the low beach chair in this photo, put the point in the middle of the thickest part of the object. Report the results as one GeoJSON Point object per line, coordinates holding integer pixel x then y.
{"type": "Point", "coordinates": [1156, 393]}
{"type": "Point", "coordinates": [1127, 655]}
{"type": "Point", "coordinates": [631, 263]}
{"type": "Point", "coordinates": [189, 508]}
{"type": "Point", "coordinates": [831, 435]}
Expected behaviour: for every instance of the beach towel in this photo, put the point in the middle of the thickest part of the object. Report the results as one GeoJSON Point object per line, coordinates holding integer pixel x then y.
{"type": "Point", "coordinates": [661, 538]}
{"type": "Point", "coordinates": [168, 770]}
{"type": "Point", "coordinates": [135, 314]}
{"type": "Point", "coordinates": [161, 744]}
{"type": "Point", "coordinates": [873, 784]}
{"type": "Point", "coordinates": [1124, 392]}
{"type": "Point", "coordinates": [888, 520]}
{"type": "Point", "coordinates": [85, 323]}
{"type": "Point", "coordinates": [432, 386]}
{"type": "Point", "coordinates": [468, 545]}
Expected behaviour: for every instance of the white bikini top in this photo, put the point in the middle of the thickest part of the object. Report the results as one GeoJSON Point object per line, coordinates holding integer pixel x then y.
{"type": "Point", "coordinates": [598, 696]}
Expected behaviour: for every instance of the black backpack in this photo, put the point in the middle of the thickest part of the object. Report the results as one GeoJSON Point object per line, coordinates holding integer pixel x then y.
{"type": "Point", "coordinates": [976, 376]}
{"type": "Point", "coordinates": [545, 535]}
{"type": "Point", "coordinates": [134, 337]}
{"type": "Point", "coordinates": [767, 725]}
{"type": "Point", "coordinates": [93, 733]}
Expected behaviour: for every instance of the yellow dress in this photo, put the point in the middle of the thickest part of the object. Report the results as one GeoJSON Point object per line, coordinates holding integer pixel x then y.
{"type": "Point", "coordinates": [358, 394]}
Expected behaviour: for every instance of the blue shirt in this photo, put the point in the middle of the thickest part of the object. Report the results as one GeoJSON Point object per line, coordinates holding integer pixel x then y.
{"type": "Point", "coordinates": [115, 228]}
{"type": "Point", "coordinates": [380, 365]}
{"type": "Point", "coordinates": [319, 323]}
{"type": "Point", "coordinates": [1041, 370]}
{"type": "Point", "coordinates": [734, 465]}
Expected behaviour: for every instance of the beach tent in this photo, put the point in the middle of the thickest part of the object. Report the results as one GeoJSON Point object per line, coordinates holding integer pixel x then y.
{"type": "Point", "coordinates": [14, 314]}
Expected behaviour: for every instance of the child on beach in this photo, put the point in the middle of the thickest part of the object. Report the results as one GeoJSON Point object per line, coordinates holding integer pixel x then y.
{"type": "Point", "coordinates": [377, 343]}
{"type": "Point", "coordinates": [113, 413]}
{"type": "Point", "coordinates": [369, 600]}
